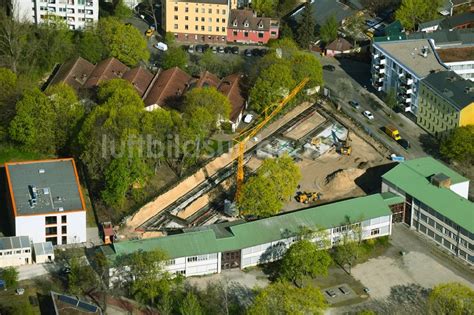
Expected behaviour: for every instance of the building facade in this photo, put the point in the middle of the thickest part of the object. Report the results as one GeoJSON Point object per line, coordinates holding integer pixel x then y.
{"type": "Point", "coordinates": [246, 28]}
{"type": "Point", "coordinates": [46, 202]}
{"type": "Point", "coordinates": [198, 20]}
{"type": "Point", "coordinates": [400, 66]}
{"type": "Point", "coordinates": [211, 249]}
{"type": "Point", "coordinates": [77, 14]}
{"type": "Point", "coordinates": [436, 204]}
{"type": "Point", "coordinates": [15, 251]}
{"type": "Point", "coordinates": [446, 102]}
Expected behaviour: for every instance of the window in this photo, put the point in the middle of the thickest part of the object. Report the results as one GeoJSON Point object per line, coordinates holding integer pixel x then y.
{"type": "Point", "coordinates": [217, 29]}
{"type": "Point", "coordinates": [51, 230]}
{"type": "Point", "coordinates": [64, 229]}
{"type": "Point", "coordinates": [176, 26]}
{"type": "Point", "coordinates": [235, 33]}
{"type": "Point", "coordinates": [203, 19]}
{"type": "Point", "coordinates": [62, 9]}
{"type": "Point", "coordinates": [223, 12]}
{"type": "Point", "coordinates": [53, 240]}
{"type": "Point", "coordinates": [64, 240]}
{"type": "Point", "coordinates": [223, 20]}
{"type": "Point", "coordinates": [202, 28]}
{"type": "Point", "coordinates": [246, 34]}
{"type": "Point", "coordinates": [196, 28]}
{"type": "Point", "coordinates": [217, 20]}
{"type": "Point", "coordinates": [209, 28]}
{"type": "Point", "coordinates": [175, 9]}
{"type": "Point", "coordinates": [196, 10]}
{"type": "Point", "coordinates": [186, 27]}
{"type": "Point", "coordinates": [186, 9]}
{"type": "Point", "coordinates": [203, 10]}
{"type": "Point", "coordinates": [18, 251]}
{"type": "Point", "coordinates": [209, 11]}
{"type": "Point", "coordinates": [375, 232]}
{"type": "Point", "coordinates": [196, 19]}
{"type": "Point", "coordinates": [51, 220]}
{"type": "Point", "coordinates": [209, 20]}
{"type": "Point", "coordinates": [192, 259]}
{"type": "Point", "coordinates": [186, 18]}
{"type": "Point", "coordinates": [175, 17]}
{"type": "Point", "coordinates": [180, 272]}
{"type": "Point", "coordinates": [170, 262]}
{"type": "Point", "coordinates": [223, 29]}
{"type": "Point", "coordinates": [27, 250]}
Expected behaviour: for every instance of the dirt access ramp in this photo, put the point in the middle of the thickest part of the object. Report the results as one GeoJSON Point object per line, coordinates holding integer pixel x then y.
{"type": "Point", "coordinates": [166, 199]}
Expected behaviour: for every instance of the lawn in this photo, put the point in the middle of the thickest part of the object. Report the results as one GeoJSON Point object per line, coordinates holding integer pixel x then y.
{"type": "Point", "coordinates": [8, 298]}
{"type": "Point", "coordinates": [9, 153]}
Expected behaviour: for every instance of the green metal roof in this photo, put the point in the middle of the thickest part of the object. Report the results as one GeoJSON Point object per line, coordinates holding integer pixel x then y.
{"type": "Point", "coordinates": [391, 198]}
{"type": "Point", "coordinates": [242, 235]}
{"type": "Point", "coordinates": [413, 177]}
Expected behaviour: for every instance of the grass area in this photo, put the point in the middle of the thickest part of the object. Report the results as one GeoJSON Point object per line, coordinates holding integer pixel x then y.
{"type": "Point", "coordinates": [8, 153]}
{"type": "Point", "coordinates": [21, 304]}
{"type": "Point", "coordinates": [90, 217]}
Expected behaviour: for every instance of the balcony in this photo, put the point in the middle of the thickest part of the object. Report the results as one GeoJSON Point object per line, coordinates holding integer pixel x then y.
{"type": "Point", "coordinates": [378, 85]}
{"type": "Point", "coordinates": [406, 80]}
{"type": "Point", "coordinates": [375, 55]}
{"type": "Point", "coordinates": [70, 11]}
{"type": "Point", "coordinates": [89, 12]}
{"type": "Point", "coordinates": [382, 70]}
{"type": "Point", "coordinates": [89, 4]}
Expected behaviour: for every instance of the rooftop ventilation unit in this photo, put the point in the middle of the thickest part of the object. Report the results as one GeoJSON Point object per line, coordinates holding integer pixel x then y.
{"type": "Point", "coordinates": [41, 171]}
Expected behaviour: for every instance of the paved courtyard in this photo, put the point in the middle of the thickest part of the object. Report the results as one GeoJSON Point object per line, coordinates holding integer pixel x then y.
{"type": "Point", "coordinates": [422, 264]}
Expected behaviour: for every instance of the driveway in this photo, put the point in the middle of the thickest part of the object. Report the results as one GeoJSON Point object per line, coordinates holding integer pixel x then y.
{"type": "Point", "coordinates": [35, 270]}
{"type": "Point", "coordinates": [423, 264]}
{"type": "Point", "coordinates": [351, 81]}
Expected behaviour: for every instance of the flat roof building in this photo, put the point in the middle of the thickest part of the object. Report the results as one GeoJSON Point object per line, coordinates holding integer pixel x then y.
{"type": "Point", "coordinates": [46, 201]}
{"type": "Point", "coordinates": [15, 251]}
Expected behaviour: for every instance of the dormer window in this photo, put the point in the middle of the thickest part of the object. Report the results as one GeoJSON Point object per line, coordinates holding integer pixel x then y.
{"type": "Point", "coordinates": [260, 25]}
{"type": "Point", "coordinates": [234, 23]}
{"type": "Point", "coordinates": [246, 23]}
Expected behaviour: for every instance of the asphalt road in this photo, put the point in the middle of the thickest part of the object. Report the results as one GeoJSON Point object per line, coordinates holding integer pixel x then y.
{"type": "Point", "coordinates": [351, 81]}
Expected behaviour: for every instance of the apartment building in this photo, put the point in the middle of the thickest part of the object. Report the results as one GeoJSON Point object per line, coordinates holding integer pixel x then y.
{"type": "Point", "coordinates": [197, 20]}
{"type": "Point", "coordinates": [45, 201]}
{"type": "Point", "coordinates": [76, 13]}
{"type": "Point", "coordinates": [436, 204]}
{"type": "Point", "coordinates": [446, 102]}
{"type": "Point", "coordinates": [459, 59]}
{"type": "Point", "coordinates": [211, 249]}
{"type": "Point", "coordinates": [15, 251]}
{"type": "Point", "coordinates": [401, 65]}
{"type": "Point", "coordinates": [247, 28]}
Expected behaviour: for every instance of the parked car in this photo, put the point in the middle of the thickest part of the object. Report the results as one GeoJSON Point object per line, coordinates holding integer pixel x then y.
{"type": "Point", "coordinates": [366, 290]}
{"type": "Point", "coordinates": [199, 48]}
{"type": "Point", "coordinates": [149, 32]}
{"type": "Point", "coordinates": [404, 143]}
{"type": "Point", "coordinates": [227, 49]}
{"type": "Point", "coordinates": [161, 46]}
{"type": "Point", "coordinates": [248, 118]}
{"type": "Point", "coordinates": [331, 293]}
{"type": "Point", "coordinates": [205, 47]}
{"type": "Point", "coordinates": [329, 68]}
{"type": "Point", "coordinates": [256, 52]}
{"type": "Point", "coordinates": [344, 290]}
{"type": "Point", "coordinates": [368, 114]}
{"type": "Point", "coordinates": [214, 49]}
{"type": "Point", "coordinates": [263, 51]}
{"type": "Point", "coordinates": [354, 104]}
{"type": "Point", "coordinates": [220, 50]}
{"type": "Point", "coordinates": [191, 49]}
{"type": "Point", "coordinates": [248, 53]}
{"type": "Point", "coordinates": [235, 50]}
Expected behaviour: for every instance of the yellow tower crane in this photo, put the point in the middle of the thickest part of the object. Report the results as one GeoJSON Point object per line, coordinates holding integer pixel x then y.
{"type": "Point", "coordinates": [247, 134]}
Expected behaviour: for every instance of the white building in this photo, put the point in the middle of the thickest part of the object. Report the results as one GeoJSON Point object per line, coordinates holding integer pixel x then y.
{"type": "Point", "coordinates": [15, 251]}
{"type": "Point", "coordinates": [76, 13]}
{"type": "Point", "coordinates": [210, 249]}
{"type": "Point", "coordinates": [46, 201]}
{"type": "Point", "coordinates": [436, 204]}
{"type": "Point", "coordinates": [400, 65]}
{"type": "Point", "coordinates": [43, 252]}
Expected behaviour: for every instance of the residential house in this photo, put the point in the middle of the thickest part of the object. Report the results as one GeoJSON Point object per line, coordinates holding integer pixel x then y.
{"type": "Point", "coordinates": [436, 204]}
{"type": "Point", "coordinates": [140, 78]}
{"type": "Point", "coordinates": [45, 201]}
{"type": "Point", "coordinates": [105, 70]}
{"type": "Point", "coordinates": [230, 87]}
{"type": "Point", "coordinates": [197, 20]}
{"type": "Point", "coordinates": [446, 102]}
{"type": "Point", "coordinates": [401, 65]}
{"type": "Point", "coordinates": [456, 22]}
{"type": "Point", "coordinates": [74, 73]}
{"type": "Point", "coordinates": [338, 46]}
{"type": "Point", "coordinates": [15, 251]}
{"type": "Point", "coordinates": [211, 249]}
{"type": "Point", "coordinates": [246, 28]}
{"type": "Point", "coordinates": [43, 252]}
{"type": "Point", "coordinates": [447, 8]}
{"type": "Point", "coordinates": [77, 14]}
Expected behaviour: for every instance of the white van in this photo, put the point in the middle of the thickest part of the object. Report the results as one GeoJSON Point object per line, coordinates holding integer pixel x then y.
{"type": "Point", "coordinates": [161, 46]}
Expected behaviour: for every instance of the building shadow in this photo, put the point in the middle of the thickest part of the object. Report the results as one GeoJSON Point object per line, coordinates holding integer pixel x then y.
{"type": "Point", "coordinates": [371, 181]}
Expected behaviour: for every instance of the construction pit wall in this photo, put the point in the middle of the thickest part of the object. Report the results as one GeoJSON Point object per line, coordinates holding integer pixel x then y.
{"type": "Point", "coordinates": [206, 264]}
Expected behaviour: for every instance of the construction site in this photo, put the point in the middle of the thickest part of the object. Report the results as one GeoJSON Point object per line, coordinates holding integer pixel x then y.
{"type": "Point", "coordinates": [330, 157]}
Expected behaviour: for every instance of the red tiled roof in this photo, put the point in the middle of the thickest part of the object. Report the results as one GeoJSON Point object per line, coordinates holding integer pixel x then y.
{"type": "Point", "coordinates": [340, 44]}
{"type": "Point", "coordinates": [107, 69]}
{"type": "Point", "coordinates": [168, 85]}
{"type": "Point", "coordinates": [206, 79]}
{"type": "Point", "coordinates": [74, 73]}
{"type": "Point", "coordinates": [140, 78]}
{"type": "Point", "coordinates": [239, 18]}
{"type": "Point", "coordinates": [230, 87]}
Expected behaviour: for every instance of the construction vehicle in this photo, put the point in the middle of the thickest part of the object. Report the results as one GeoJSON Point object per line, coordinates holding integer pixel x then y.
{"type": "Point", "coordinates": [247, 134]}
{"type": "Point", "coordinates": [392, 132]}
{"type": "Point", "coordinates": [342, 146]}
{"type": "Point", "coordinates": [307, 197]}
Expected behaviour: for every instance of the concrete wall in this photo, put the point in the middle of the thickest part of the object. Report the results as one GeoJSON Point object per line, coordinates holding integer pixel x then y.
{"type": "Point", "coordinates": [41, 259]}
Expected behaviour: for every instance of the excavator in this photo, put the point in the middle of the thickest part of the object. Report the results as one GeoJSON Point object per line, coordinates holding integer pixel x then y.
{"type": "Point", "coordinates": [342, 146]}
{"type": "Point", "coordinates": [307, 197]}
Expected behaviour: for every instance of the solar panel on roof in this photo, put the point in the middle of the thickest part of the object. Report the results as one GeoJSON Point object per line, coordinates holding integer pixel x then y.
{"type": "Point", "coordinates": [67, 299]}
{"type": "Point", "coordinates": [87, 307]}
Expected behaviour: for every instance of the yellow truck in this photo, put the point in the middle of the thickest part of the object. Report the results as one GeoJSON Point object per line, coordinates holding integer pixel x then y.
{"type": "Point", "coordinates": [392, 132]}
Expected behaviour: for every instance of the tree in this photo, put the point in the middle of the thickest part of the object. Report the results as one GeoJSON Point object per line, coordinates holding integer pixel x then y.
{"type": "Point", "coordinates": [329, 29]}
{"type": "Point", "coordinates": [10, 276]}
{"type": "Point", "coordinates": [391, 99]}
{"type": "Point", "coordinates": [8, 97]}
{"type": "Point", "coordinates": [282, 298]}
{"type": "Point", "coordinates": [145, 273]}
{"type": "Point", "coordinates": [33, 125]}
{"type": "Point", "coordinates": [264, 7]}
{"type": "Point", "coordinates": [459, 145]}
{"type": "Point", "coordinates": [306, 65]}
{"type": "Point", "coordinates": [412, 12]}
{"type": "Point", "coordinates": [190, 305]}
{"type": "Point", "coordinates": [306, 27]}
{"type": "Point", "coordinates": [175, 57]}
{"type": "Point", "coordinates": [82, 279]}
{"type": "Point", "coordinates": [148, 7]}
{"type": "Point", "coordinates": [169, 38]}
{"type": "Point", "coordinates": [354, 25]}
{"type": "Point", "coordinates": [123, 42]}
{"type": "Point", "coordinates": [272, 85]}
{"type": "Point", "coordinates": [377, 6]}
{"type": "Point", "coordinates": [304, 259]}
{"type": "Point", "coordinates": [122, 11]}
{"type": "Point", "coordinates": [263, 194]}
{"type": "Point", "coordinates": [217, 104]}
{"type": "Point", "coordinates": [21, 308]}
{"type": "Point", "coordinates": [347, 252]}
{"type": "Point", "coordinates": [15, 48]}
{"type": "Point", "coordinates": [286, 6]}
{"type": "Point", "coordinates": [90, 46]}
{"type": "Point", "coordinates": [451, 298]}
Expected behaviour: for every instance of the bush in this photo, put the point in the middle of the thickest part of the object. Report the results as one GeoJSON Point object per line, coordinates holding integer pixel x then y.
{"type": "Point", "coordinates": [10, 276]}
